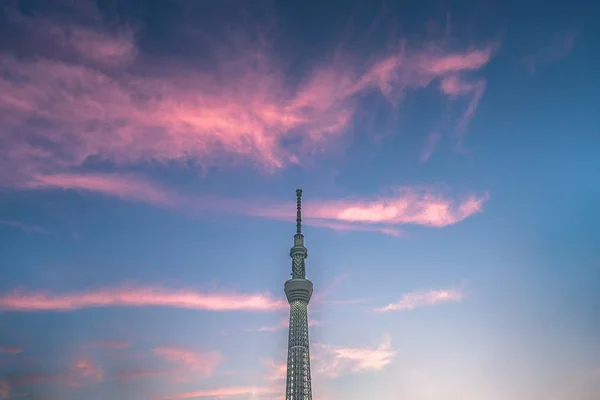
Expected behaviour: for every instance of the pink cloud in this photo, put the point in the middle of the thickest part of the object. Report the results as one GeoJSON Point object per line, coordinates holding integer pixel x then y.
{"type": "Point", "coordinates": [10, 350]}
{"type": "Point", "coordinates": [24, 300]}
{"type": "Point", "coordinates": [345, 227]}
{"type": "Point", "coordinates": [84, 371]}
{"type": "Point", "coordinates": [406, 205]}
{"type": "Point", "coordinates": [4, 390]}
{"type": "Point", "coordinates": [26, 228]}
{"type": "Point", "coordinates": [81, 372]}
{"type": "Point", "coordinates": [244, 110]}
{"type": "Point", "coordinates": [419, 299]}
{"type": "Point", "coordinates": [277, 370]}
{"type": "Point", "coordinates": [452, 63]}
{"type": "Point", "coordinates": [101, 47]}
{"type": "Point", "coordinates": [224, 392]}
{"type": "Point", "coordinates": [329, 361]}
{"type": "Point", "coordinates": [123, 186]}
{"type": "Point", "coordinates": [433, 139]}
{"type": "Point", "coordinates": [95, 43]}
{"type": "Point", "coordinates": [203, 362]}
{"type": "Point", "coordinates": [454, 86]}
{"type": "Point", "coordinates": [333, 361]}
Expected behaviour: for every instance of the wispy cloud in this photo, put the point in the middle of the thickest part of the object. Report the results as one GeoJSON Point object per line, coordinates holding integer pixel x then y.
{"type": "Point", "coordinates": [333, 361]}
{"type": "Point", "coordinates": [202, 362]}
{"type": "Point", "coordinates": [560, 47]}
{"type": "Point", "coordinates": [330, 288]}
{"type": "Point", "coordinates": [4, 390]}
{"type": "Point", "coordinates": [402, 206]}
{"type": "Point", "coordinates": [10, 350]}
{"type": "Point", "coordinates": [103, 48]}
{"type": "Point", "coordinates": [124, 186]}
{"type": "Point", "coordinates": [277, 370]}
{"type": "Point", "coordinates": [349, 227]}
{"type": "Point", "coordinates": [383, 213]}
{"type": "Point", "coordinates": [224, 392]}
{"type": "Point", "coordinates": [81, 372]}
{"type": "Point", "coordinates": [330, 361]}
{"type": "Point", "coordinates": [26, 228]}
{"type": "Point", "coordinates": [85, 371]}
{"type": "Point", "coordinates": [424, 298]}
{"type": "Point", "coordinates": [456, 86]}
{"type": "Point", "coordinates": [432, 141]}
{"type": "Point", "coordinates": [243, 110]}
{"type": "Point", "coordinates": [24, 300]}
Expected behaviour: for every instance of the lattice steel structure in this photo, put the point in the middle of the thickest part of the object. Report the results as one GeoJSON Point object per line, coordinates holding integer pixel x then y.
{"type": "Point", "coordinates": [298, 291]}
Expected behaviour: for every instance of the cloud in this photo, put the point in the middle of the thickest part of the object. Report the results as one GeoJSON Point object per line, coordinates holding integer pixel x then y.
{"type": "Point", "coordinates": [405, 205]}
{"type": "Point", "coordinates": [101, 47]}
{"type": "Point", "coordinates": [81, 372]}
{"type": "Point", "coordinates": [334, 361]}
{"type": "Point", "coordinates": [277, 370]}
{"type": "Point", "coordinates": [419, 299]}
{"type": "Point", "coordinates": [85, 371]}
{"type": "Point", "coordinates": [70, 109]}
{"type": "Point", "coordinates": [224, 392]}
{"type": "Point", "coordinates": [345, 227]}
{"type": "Point", "coordinates": [205, 363]}
{"type": "Point", "coordinates": [127, 187]}
{"type": "Point", "coordinates": [560, 47]}
{"type": "Point", "coordinates": [4, 390]}
{"type": "Point", "coordinates": [433, 139]}
{"type": "Point", "coordinates": [26, 228]}
{"type": "Point", "coordinates": [24, 300]}
{"type": "Point", "coordinates": [454, 86]}
{"type": "Point", "coordinates": [330, 288]}
{"type": "Point", "coordinates": [10, 350]}
{"type": "Point", "coordinates": [330, 361]}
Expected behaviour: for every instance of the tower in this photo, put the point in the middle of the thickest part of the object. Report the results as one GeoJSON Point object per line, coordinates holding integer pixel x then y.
{"type": "Point", "coordinates": [298, 291]}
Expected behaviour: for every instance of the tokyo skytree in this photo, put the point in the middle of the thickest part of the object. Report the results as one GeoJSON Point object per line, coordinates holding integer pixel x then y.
{"type": "Point", "coordinates": [298, 291]}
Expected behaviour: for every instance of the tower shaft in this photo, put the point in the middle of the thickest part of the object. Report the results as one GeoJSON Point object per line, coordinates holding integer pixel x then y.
{"type": "Point", "coordinates": [298, 291]}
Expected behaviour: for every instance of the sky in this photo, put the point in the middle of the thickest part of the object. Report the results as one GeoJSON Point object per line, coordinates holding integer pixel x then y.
{"type": "Point", "coordinates": [449, 154]}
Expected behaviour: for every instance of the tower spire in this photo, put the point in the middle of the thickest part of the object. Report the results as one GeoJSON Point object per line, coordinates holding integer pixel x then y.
{"type": "Point", "coordinates": [298, 253]}
{"type": "Point", "coordinates": [299, 211]}
{"type": "Point", "coordinates": [298, 291]}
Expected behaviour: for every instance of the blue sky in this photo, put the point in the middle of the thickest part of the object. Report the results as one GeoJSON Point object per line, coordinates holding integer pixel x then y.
{"type": "Point", "coordinates": [448, 153]}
